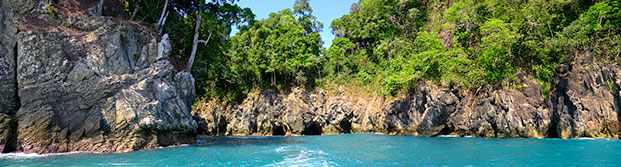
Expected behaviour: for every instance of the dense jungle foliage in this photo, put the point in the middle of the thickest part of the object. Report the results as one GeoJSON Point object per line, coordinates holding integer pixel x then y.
{"type": "Point", "coordinates": [386, 46]}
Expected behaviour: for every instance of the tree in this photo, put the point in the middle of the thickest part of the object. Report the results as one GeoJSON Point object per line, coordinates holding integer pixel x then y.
{"type": "Point", "coordinates": [340, 47]}
{"type": "Point", "coordinates": [495, 50]}
{"type": "Point", "coordinates": [218, 13]}
{"type": "Point", "coordinates": [285, 46]}
{"type": "Point", "coordinates": [386, 46]}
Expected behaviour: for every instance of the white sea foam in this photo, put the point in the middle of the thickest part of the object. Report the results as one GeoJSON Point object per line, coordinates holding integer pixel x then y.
{"type": "Point", "coordinates": [281, 149]}
{"type": "Point", "coordinates": [302, 157]}
{"type": "Point", "coordinates": [247, 137]}
{"type": "Point", "coordinates": [117, 164]}
{"type": "Point", "coordinates": [35, 155]}
{"type": "Point", "coordinates": [589, 138]}
{"type": "Point", "coordinates": [447, 136]}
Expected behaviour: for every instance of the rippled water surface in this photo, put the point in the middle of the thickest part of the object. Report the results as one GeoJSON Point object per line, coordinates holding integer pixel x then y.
{"type": "Point", "coordinates": [350, 150]}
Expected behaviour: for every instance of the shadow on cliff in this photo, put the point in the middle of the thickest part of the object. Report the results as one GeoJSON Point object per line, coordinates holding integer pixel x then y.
{"type": "Point", "coordinates": [11, 140]}
{"type": "Point", "coordinates": [615, 89]}
{"type": "Point", "coordinates": [235, 141]}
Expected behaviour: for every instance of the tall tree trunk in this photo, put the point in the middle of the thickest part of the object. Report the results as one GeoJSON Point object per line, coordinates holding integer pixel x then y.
{"type": "Point", "coordinates": [274, 77]}
{"type": "Point", "coordinates": [259, 77]}
{"type": "Point", "coordinates": [164, 14]}
{"type": "Point", "coordinates": [338, 68]}
{"type": "Point", "coordinates": [196, 40]}
{"type": "Point", "coordinates": [195, 43]}
{"type": "Point", "coordinates": [163, 22]}
{"type": "Point", "coordinates": [199, 19]}
{"type": "Point", "coordinates": [319, 72]}
{"type": "Point", "coordinates": [163, 17]}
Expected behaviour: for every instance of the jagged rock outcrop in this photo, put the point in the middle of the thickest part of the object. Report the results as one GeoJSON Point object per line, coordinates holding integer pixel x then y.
{"type": "Point", "coordinates": [507, 112]}
{"type": "Point", "coordinates": [429, 111]}
{"type": "Point", "coordinates": [586, 99]}
{"type": "Point", "coordinates": [75, 80]}
{"type": "Point", "coordinates": [584, 104]}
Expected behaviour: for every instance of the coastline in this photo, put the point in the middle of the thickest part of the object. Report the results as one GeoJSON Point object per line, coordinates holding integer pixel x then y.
{"type": "Point", "coordinates": [576, 108]}
{"type": "Point", "coordinates": [22, 155]}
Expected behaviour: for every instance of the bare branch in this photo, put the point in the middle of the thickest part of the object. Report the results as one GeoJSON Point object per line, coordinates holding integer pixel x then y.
{"type": "Point", "coordinates": [208, 38]}
{"type": "Point", "coordinates": [164, 13]}
{"type": "Point", "coordinates": [135, 10]}
{"type": "Point", "coordinates": [164, 21]}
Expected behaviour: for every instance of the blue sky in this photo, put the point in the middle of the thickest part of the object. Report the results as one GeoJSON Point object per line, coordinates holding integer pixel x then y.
{"type": "Point", "coordinates": [325, 10]}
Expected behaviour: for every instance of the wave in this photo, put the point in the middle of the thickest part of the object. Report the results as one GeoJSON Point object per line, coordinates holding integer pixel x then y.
{"type": "Point", "coordinates": [281, 149]}
{"type": "Point", "coordinates": [599, 139]}
{"type": "Point", "coordinates": [302, 157]}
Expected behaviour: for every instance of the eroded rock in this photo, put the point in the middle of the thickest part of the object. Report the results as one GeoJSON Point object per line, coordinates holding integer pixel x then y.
{"type": "Point", "coordinates": [586, 100]}
{"type": "Point", "coordinates": [585, 104]}
{"type": "Point", "coordinates": [76, 82]}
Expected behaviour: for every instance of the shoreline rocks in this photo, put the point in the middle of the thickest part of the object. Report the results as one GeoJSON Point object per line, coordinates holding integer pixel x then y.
{"type": "Point", "coordinates": [584, 103]}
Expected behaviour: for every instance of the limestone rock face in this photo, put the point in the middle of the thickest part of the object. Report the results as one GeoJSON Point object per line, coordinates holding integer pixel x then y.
{"type": "Point", "coordinates": [425, 112]}
{"type": "Point", "coordinates": [273, 113]}
{"type": "Point", "coordinates": [584, 104]}
{"type": "Point", "coordinates": [586, 100]}
{"type": "Point", "coordinates": [85, 82]}
{"type": "Point", "coordinates": [507, 112]}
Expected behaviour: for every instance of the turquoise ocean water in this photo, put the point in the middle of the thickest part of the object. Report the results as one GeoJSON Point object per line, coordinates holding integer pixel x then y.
{"type": "Point", "coordinates": [364, 149]}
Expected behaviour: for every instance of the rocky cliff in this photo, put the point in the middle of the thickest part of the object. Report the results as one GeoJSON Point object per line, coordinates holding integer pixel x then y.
{"type": "Point", "coordinates": [74, 78]}
{"type": "Point", "coordinates": [585, 103]}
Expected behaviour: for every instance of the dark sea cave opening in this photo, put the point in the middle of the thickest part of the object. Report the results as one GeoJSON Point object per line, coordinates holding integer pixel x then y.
{"type": "Point", "coordinates": [312, 129]}
{"type": "Point", "coordinates": [278, 130]}
{"type": "Point", "coordinates": [345, 126]}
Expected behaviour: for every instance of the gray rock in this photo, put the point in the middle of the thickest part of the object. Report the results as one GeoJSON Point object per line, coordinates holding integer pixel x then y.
{"type": "Point", "coordinates": [586, 100]}
{"type": "Point", "coordinates": [122, 109]}
{"type": "Point", "coordinates": [82, 89]}
{"type": "Point", "coordinates": [584, 104]}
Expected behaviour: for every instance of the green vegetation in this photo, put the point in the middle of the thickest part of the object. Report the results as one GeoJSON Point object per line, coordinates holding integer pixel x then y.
{"type": "Point", "coordinates": [388, 46]}
{"type": "Point", "coordinates": [280, 51]}
{"type": "Point", "coordinates": [51, 10]}
{"type": "Point", "coordinates": [20, 28]}
{"type": "Point", "coordinates": [179, 19]}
